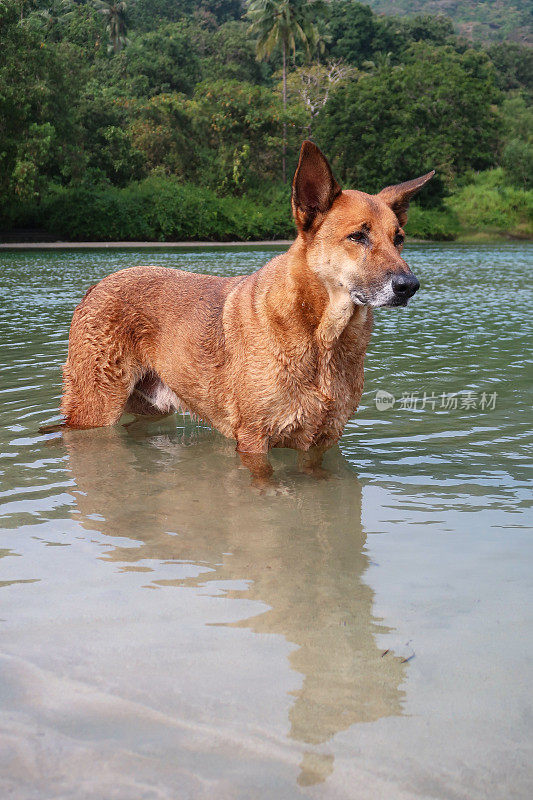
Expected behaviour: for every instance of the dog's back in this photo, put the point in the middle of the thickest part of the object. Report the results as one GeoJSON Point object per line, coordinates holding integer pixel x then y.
{"type": "Point", "coordinates": [135, 324]}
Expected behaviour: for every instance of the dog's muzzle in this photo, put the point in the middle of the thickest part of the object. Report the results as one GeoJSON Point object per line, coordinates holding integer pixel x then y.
{"type": "Point", "coordinates": [404, 286]}
{"type": "Point", "coordinates": [396, 291]}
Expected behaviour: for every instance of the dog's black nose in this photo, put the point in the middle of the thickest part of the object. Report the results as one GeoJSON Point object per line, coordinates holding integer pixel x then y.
{"type": "Point", "coordinates": [405, 285]}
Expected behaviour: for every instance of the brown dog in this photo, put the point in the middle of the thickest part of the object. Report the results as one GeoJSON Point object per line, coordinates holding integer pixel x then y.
{"type": "Point", "coordinates": [273, 359]}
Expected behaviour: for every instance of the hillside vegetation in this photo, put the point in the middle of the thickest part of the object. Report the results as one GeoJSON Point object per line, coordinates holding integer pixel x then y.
{"type": "Point", "coordinates": [173, 119]}
{"type": "Point", "coordinates": [488, 21]}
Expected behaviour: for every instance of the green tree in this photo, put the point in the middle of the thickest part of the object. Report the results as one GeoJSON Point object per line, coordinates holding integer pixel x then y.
{"type": "Point", "coordinates": [223, 10]}
{"type": "Point", "coordinates": [237, 130]}
{"type": "Point", "coordinates": [395, 34]}
{"type": "Point", "coordinates": [146, 15]}
{"type": "Point", "coordinates": [281, 25]}
{"type": "Point", "coordinates": [33, 156]}
{"type": "Point", "coordinates": [160, 61]}
{"type": "Point", "coordinates": [105, 149]}
{"type": "Point", "coordinates": [434, 111]}
{"type": "Point", "coordinates": [357, 35]}
{"type": "Point", "coordinates": [517, 151]}
{"type": "Point", "coordinates": [82, 25]}
{"type": "Point", "coordinates": [352, 28]}
{"type": "Point", "coordinates": [514, 65]}
{"type": "Point", "coordinates": [230, 53]}
{"type": "Point", "coordinates": [48, 21]}
{"type": "Point", "coordinates": [160, 129]}
{"type": "Point", "coordinates": [115, 16]}
{"type": "Point", "coordinates": [38, 84]}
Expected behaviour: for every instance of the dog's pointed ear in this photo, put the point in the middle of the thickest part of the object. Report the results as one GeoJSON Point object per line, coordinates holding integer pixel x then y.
{"type": "Point", "coordinates": [313, 187]}
{"type": "Point", "coordinates": [399, 196]}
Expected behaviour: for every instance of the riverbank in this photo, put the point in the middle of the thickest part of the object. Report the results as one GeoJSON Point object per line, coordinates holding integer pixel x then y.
{"type": "Point", "coordinates": [161, 212]}
{"type": "Point", "coordinates": [136, 245]}
{"type": "Point", "coordinates": [475, 237]}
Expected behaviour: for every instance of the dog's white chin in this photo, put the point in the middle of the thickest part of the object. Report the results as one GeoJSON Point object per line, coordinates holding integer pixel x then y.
{"type": "Point", "coordinates": [394, 303]}
{"type": "Point", "coordinates": [383, 298]}
{"type": "Point", "coordinates": [359, 300]}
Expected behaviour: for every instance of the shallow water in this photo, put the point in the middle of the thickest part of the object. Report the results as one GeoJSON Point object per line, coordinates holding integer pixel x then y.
{"type": "Point", "coordinates": [168, 632]}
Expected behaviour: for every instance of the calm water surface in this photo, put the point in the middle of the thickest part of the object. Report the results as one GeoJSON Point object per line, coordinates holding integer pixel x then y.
{"type": "Point", "coordinates": [167, 632]}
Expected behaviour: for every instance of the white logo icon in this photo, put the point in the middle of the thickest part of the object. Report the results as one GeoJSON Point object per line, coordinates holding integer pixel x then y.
{"type": "Point", "coordinates": [384, 400]}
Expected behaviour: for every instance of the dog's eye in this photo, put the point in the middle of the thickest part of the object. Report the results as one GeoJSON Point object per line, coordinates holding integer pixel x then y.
{"type": "Point", "coordinates": [399, 240]}
{"type": "Point", "coordinates": [358, 236]}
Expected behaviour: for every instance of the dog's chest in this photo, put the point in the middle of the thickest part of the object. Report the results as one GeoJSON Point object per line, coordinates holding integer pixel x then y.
{"type": "Point", "coordinates": [316, 409]}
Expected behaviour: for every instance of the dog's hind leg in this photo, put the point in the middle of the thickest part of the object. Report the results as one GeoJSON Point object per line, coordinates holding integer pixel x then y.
{"type": "Point", "coordinates": [96, 385]}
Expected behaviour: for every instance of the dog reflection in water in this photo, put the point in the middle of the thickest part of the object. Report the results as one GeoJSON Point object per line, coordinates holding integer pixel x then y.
{"type": "Point", "coordinates": [301, 554]}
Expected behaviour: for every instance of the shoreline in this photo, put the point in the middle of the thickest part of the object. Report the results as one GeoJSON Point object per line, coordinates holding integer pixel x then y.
{"type": "Point", "coordinates": [135, 245]}
{"type": "Point", "coordinates": [469, 238]}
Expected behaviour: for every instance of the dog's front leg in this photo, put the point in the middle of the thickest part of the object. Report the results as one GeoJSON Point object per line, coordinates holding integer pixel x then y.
{"type": "Point", "coordinates": [310, 461]}
{"type": "Point", "coordinates": [253, 452]}
{"type": "Point", "coordinates": [259, 466]}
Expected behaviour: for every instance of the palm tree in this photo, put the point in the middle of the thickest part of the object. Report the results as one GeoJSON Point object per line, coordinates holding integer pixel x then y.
{"type": "Point", "coordinates": [320, 39]}
{"type": "Point", "coordinates": [50, 20]}
{"type": "Point", "coordinates": [115, 13]}
{"type": "Point", "coordinates": [281, 24]}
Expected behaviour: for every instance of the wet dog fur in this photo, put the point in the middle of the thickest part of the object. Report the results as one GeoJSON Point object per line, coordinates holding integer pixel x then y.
{"type": "Point", "coordinates": [272, 359]}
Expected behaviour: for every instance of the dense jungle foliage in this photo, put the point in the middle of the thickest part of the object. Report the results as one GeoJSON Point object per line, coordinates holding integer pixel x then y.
{"type": "Point", "coordinates": [175, 120]}
{"type": "Point", "coordinates": [495, 20]}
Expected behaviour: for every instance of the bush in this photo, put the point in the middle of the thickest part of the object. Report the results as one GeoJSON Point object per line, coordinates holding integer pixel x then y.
{"type": "Point", "coordinates": [162, 209]}
{"type": "Point", "coordinates": [426, 223]}
{"type": "Point", "coordinates": [488, 204]}
{"type": "Point", "coordinates": [517, 161]}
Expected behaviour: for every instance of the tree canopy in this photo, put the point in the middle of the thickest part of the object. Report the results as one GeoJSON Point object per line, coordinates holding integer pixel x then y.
{"type": "Point", "coordinates": [98, 94]}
